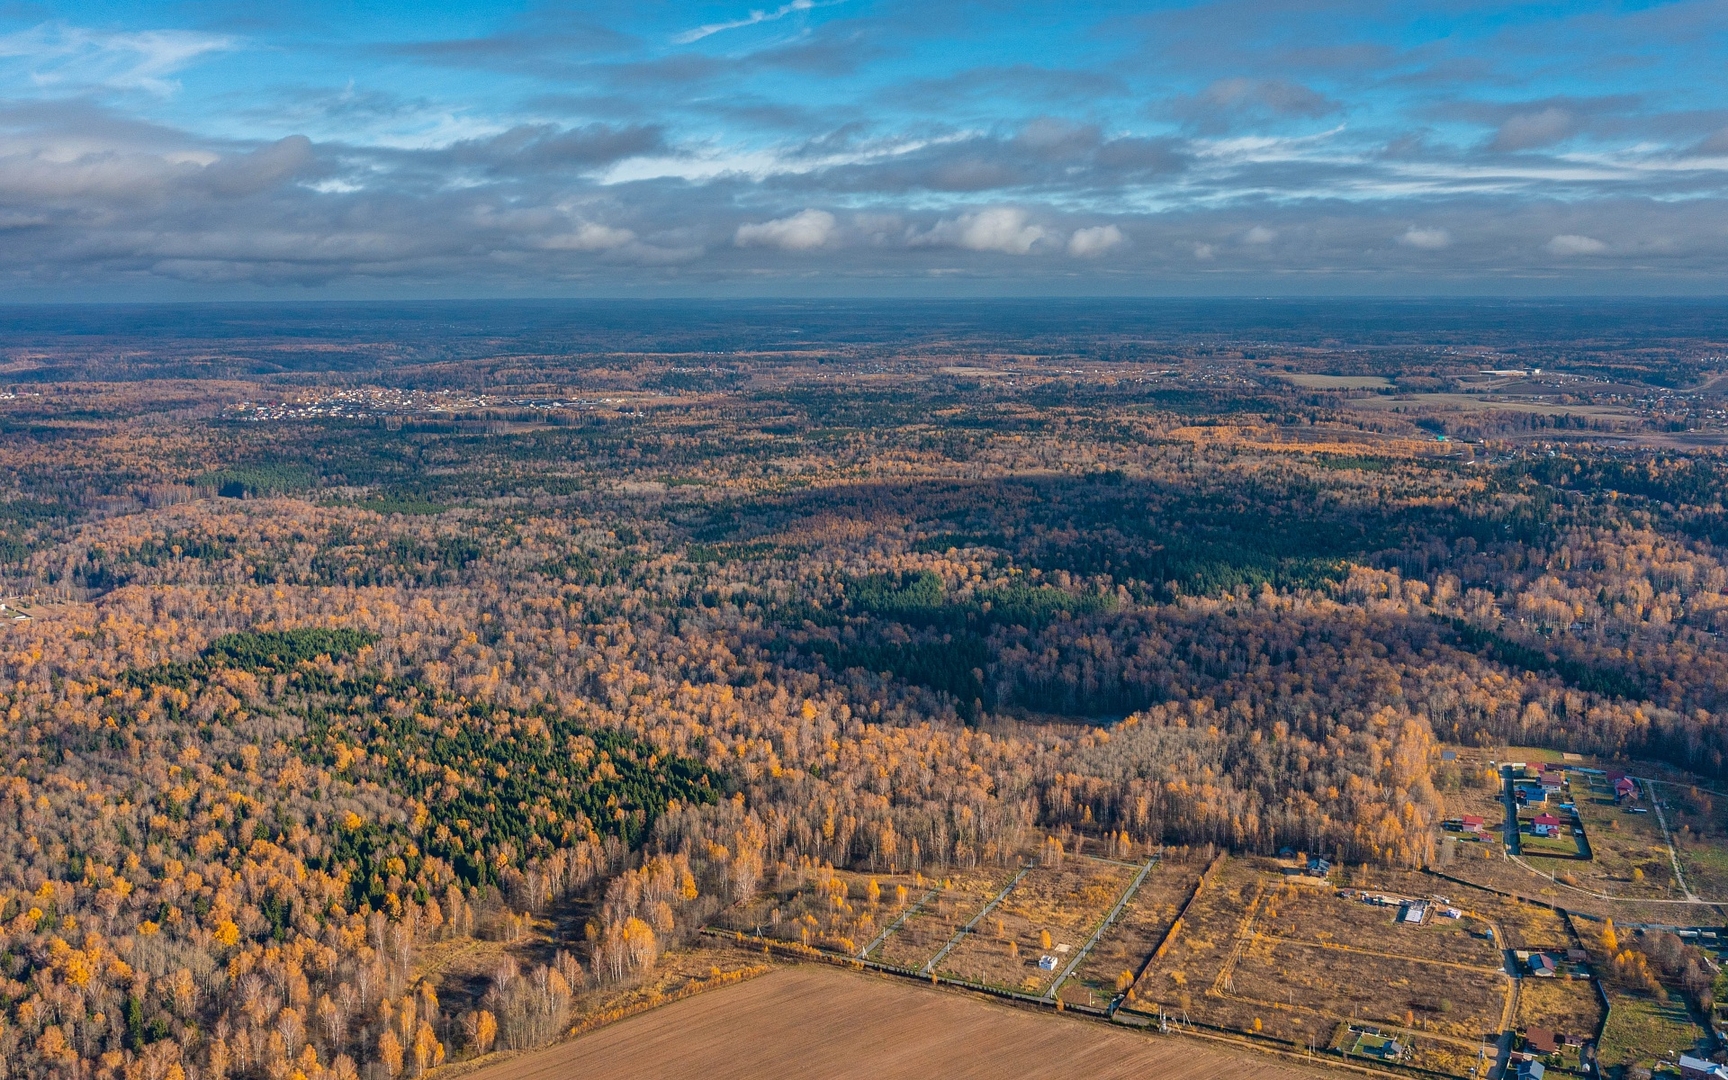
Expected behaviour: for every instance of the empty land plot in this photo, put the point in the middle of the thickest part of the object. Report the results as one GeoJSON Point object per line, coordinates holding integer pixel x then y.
{"type": "Point", "coordinates": [1196, 953]}
{"type": "Point", "coordinates": [962, 894]}
{"type": "Point", "coordinates": [1620, 843]}
{"type": "Point", "coordinates": [812, 1021]}
{"type": "Point", "coordinates": [1066, 902]}
{"type": "Point", "coordinates": [1644, 1031]}
{"type": "Point", "coordinates": [1324, 917]}
{"type": "Point", "coordinates": [1137, 932]}
{"type": "Point", "coordinates": [1698, 820]}
{"type": "Point", "coordinates": [1278, 979]}
{"type": "Point", "coordinates": [1564, 1005]}
{"type": "Point", "coordinates": [1524, 926]}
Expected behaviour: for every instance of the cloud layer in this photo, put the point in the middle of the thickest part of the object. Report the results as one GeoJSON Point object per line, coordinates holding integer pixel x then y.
{"type": "Point", "coordinates": [864, 147]}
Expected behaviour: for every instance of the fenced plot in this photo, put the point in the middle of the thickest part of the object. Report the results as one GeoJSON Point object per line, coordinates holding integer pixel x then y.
{"type": "Point", "coordinates": [1567, 1006]}
{"type": "Point", "coordinates": [1129, 943]}
{"type": "Point", "coordinates": [1051, 912]}
{"type": "Point", "coordinates": [1260, 953]}
{"type": "Point", "coordinates": [1644, 1031]}
{"type": "Point", "coordinates": [1456, 1001]}
{"type": "Point", "coordinates": [1195, 954]}
{"type": "Point", "coordinates": [960, 895]}
{"type": "Point", "coordinates": [1329, 917]}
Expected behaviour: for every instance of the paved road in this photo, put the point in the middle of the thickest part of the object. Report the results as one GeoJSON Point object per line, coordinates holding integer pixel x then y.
{"type": "Point", "coordinates": [1513, 846]}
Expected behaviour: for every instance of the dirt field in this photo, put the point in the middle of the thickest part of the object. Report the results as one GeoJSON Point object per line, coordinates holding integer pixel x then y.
{"type": "Point", "coordinates": [810, 1021]}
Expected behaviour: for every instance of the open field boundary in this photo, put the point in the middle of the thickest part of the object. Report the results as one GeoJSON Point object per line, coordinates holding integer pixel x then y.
{"type": "Point", "coordinates": [610, 1016]}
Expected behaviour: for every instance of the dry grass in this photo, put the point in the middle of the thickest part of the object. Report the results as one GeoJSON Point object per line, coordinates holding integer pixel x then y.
{"type": "Point", "coordinates": [1338, 382]}
{"type": "Point", "coordinates": [1563, 1005]}
{"type": "Point", "coordinates": [960, 897]}
{"type": "Point", "coordinates": [1294, 960]}
{"type": "Point", "coordinates": [819, 1022]}
{"type": "Point", "coordinates": [1136, 933]}
{"type": "Point", "coordinates": [1066, 902]}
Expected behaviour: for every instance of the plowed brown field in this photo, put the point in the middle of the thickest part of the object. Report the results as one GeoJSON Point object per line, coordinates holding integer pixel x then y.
{"type": "Point", "coordinates": [810, 1022]}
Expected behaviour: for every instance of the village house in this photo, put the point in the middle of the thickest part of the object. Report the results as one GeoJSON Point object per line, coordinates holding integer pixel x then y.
{"type": "Point", "coordinates": [1545, 825]}
{"type": "Point", "coordinates": [1472, 823]}
{"type": "Point", "coordinates": [1541, 1041]}
{"type": "Point", "coordinates": [1697, 1068]}
{"type": "Point", "coordinates": [1625, 790]}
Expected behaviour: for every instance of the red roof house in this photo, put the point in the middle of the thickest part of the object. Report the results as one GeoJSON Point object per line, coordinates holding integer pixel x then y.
{"type": "Point", "coordinates": [1545, 825]}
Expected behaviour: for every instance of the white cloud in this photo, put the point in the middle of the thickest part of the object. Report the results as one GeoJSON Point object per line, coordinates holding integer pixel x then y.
{"type": "Point", "coordinates": [1572, 244]}
{"type": "Point", "coordinates": [1204, 252]}
{"type": "Point", "coordinates": [806, 230]}
{"type": "Point", "coordinates": [1259, 234]}
{"type": "Point", "coordinates": [1093, 242]}
{"type": "Point", "coordinates": [999, 228]}
{"type": "Point", "coordinates": [57, 55]}
{"type": "Point", "coordinates": [590, 237]}
{"type": "Point", "coordinates": [752, 19]}
{"type": "Point", "coordinates": [1426, 239]}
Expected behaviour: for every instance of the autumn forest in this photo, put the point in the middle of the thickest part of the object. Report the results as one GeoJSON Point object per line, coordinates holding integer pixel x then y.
{"type": "Point", "coordinates": [383, 692]}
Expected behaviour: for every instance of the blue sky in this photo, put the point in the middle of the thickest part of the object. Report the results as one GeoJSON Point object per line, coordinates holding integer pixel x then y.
{"type": "Point", "coordinates": [860, 147]}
